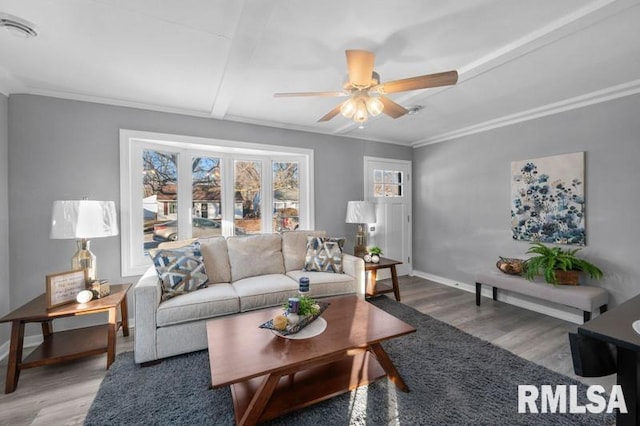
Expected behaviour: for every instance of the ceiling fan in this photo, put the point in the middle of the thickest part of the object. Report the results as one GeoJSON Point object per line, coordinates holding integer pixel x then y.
{"type": "Point", "coordinates": [366, 91]}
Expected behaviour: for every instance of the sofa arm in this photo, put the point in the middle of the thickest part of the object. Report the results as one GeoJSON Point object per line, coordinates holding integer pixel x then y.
{"type": "Point", "coordinates": [147, 294]}
{"type": "Point", "coordinates": [354, 267]}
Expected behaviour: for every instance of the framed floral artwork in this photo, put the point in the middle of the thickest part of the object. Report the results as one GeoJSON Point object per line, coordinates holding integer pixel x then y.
{"type": "Point", "coordinates": [547, 199]}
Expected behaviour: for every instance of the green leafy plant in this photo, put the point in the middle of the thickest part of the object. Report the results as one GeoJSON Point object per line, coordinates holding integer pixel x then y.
{"type": "Point", "coordinates": [375, 250]}
{"type": "Point", "coordinates": [547, 260]}
{"type": "Point", "coordinates": [306, 306]}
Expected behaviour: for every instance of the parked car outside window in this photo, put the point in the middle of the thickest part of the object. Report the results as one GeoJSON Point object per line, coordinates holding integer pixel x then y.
{"type": "Point", "coordinates": [200, 228]}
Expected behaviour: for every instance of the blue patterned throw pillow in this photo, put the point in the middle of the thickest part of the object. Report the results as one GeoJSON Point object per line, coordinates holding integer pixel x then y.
{"type": "Point", "coordinates": [324, 254]}
{"type": "Point", "coordinates": [180, 270]}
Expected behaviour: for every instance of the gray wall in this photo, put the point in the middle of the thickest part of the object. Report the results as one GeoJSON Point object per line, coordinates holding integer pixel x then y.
{"type": "Point", "coordinates": [62, 149]}
{"type": "Point", "coordinates": [462, 193]}
{"type": "Point", "coordinates": [4, 216]}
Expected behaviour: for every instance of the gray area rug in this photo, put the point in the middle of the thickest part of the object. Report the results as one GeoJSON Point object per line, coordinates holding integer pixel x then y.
{"type": "Point", "coordinates": [455, 379]}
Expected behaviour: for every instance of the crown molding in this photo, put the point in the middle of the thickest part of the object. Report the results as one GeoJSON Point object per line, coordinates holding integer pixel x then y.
{"type": "Point", "coordinates": [115, 102]}
{"type": "Point", "coordinates": [596, 97]}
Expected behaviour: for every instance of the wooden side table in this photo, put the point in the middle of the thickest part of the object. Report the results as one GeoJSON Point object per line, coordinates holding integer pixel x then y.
{"type": "Point", "coordinates": [62, 346]}
{"type": "Point", "coordinates": [373, 268]}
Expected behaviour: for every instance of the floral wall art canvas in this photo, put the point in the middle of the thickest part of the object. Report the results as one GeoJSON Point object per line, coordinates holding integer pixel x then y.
{"type": "Point", "coordinates": [547, 199]}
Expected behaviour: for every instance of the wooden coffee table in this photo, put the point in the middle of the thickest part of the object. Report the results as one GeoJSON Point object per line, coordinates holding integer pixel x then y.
{"type": "Point", "coordinates": [270, 375]}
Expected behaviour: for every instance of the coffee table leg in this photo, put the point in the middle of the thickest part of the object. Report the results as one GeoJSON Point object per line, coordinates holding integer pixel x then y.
{"type": "Point", "coordinates": [15, 356]}
{"type": "Point", "coordinates": [259, 400]}
{"type": "Point", "coordinates": [388, 367]}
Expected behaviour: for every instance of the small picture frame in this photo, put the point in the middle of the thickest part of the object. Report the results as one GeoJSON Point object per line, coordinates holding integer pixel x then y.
{"type": "Point", "coordinates": [63, 287]}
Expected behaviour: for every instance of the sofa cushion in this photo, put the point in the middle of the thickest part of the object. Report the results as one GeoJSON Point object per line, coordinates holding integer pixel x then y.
{"type": "Point", "coordinates": [324, 254]}
{"type": "Point", "coordinates": [263, 291]}
{"type": "Point", "coordinates": [294, 247]}
{"type": "Point", "coordinates": [254, 255]}
{"type": "Point", "coordinates": [213, 301]}
{"type": "Point", "coordinates": [181, 270]}
{"type": "Point", "coordinates": [323, 284]}
{"type": "Point", "coordinates": [216, 259]}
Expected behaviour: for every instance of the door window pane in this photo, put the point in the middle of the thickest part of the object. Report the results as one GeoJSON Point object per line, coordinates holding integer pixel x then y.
{"type": "Point", "coordinates": [159, 198]}
{"type": "Point", "coordinates": [387, 183]}
{"type": "Point", "coordinates": [206, 197]}
{"type": "Point", "coordinates": [286, 196]}
{"type": "Point", "coordinates": [248, 197]}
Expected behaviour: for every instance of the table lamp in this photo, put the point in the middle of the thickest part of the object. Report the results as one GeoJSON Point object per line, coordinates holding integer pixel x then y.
{"type": "Point", "coordinates": [82, 220]}
{"type": "Point", "coordinates": [360, 212]}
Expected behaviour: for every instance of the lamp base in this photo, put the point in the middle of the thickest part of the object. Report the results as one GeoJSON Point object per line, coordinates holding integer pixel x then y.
{"type": "Point", "coordinates": [360, 247]}
{"type": "Point", "coordinates": [84, 259]}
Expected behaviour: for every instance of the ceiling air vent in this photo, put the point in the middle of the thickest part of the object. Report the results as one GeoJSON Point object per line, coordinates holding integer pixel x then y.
{"type": "Point", "coordinates": [17, 26]}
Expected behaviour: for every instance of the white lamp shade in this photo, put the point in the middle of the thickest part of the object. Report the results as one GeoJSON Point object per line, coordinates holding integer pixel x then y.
{"type": "Point", "coordinates": [83, 219]}
{"type": "Point", "coordinates": [360, 212]}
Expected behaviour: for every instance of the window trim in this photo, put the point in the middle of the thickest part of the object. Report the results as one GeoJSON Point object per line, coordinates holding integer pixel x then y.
{"type": "Point", "coordinates": [133, 142]}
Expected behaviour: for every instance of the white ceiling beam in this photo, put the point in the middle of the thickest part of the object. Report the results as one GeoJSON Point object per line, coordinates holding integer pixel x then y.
{"type": "Point", "coordinates": [252, 20]}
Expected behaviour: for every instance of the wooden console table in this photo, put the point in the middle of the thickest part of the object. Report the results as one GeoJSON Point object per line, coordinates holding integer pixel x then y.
{"type": "Point", "coordinates": [373, 268]}
{"type": "Point", "coordinates": [62, 346]}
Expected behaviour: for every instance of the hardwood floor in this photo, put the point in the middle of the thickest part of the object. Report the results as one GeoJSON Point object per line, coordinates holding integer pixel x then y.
{"type": "Point", "coordinates": [62, 394]}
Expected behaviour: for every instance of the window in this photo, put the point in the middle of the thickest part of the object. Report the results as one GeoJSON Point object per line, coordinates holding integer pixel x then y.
{"type": "Point", "coordinates": [247, 182]}
{"type": "Point", "coordinates": [387, 183]}
{"type": "Point", "coordinates": [177, 187]}
{"type": "Point", "coordinates": [286, 196]}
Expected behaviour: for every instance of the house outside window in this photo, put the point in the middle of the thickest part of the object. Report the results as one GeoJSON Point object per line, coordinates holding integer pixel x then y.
{"type": "Point", "coordinates": [178, 187]}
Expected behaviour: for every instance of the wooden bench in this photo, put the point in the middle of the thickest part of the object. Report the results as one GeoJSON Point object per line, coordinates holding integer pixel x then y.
{"type": "Point", "coordinates": [583, 297]}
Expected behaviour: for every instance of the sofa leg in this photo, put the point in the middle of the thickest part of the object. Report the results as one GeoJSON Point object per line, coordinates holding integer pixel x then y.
{"type": "Point", "coordinates": [478, 289]}
{"type": "Point", "coordinates": [586, 316]}
{"type": "Point", "coordinates": [603, 308]}
{"type": "Point", "coordinates": [150, 363]}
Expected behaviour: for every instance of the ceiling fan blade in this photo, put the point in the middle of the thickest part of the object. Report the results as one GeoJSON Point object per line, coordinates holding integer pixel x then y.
{"type": "Point", "coordinates": [328, 116]}
{"type": "Point", "coordinates": [360, 67]}
{"type": "Point", "coordinates": [421, 82]}
{"type": "Point", "coordinates": [392, 109]}
{"type": "Point", "coordinates": [301, 94]}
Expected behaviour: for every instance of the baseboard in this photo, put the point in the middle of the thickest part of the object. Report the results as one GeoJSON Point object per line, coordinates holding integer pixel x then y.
{"type": "Point", "coordinates": [29, 342]}
{"type": "Point", "coordinates": [512, 299]}
{"type": "Point", "coordinates": [36, 339]}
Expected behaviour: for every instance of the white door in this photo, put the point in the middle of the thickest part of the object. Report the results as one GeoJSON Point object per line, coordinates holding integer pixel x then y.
{"type": "Point", "coordinates": [388, 185]}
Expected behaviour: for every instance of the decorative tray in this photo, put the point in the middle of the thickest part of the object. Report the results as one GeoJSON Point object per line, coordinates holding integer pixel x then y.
{"type": "Point", "coordinates": [302, 323]}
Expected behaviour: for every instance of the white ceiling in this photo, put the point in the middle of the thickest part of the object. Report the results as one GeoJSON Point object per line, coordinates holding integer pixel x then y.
{"type": "Point", "coordinates": [224, 59]}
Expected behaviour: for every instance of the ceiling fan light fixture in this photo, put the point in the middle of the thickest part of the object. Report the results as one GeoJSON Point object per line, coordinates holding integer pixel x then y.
{"type": "Point", "coordinates": [17, 26]}
{"type": "Point", "coordinates": [374, 106]}
{"type": "Point", "coordinates": [360, 116]}
{"type": "Point", "coordinates": [348, 108]}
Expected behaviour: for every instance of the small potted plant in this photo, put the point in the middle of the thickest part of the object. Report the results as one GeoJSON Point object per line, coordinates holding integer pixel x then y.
{"type": "Point", "coordinates": [373, 254]}
{"type": "Point", "coordinates": [557, 265]}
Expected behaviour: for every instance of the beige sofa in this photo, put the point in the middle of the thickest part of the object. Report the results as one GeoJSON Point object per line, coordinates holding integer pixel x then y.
{"type": "Point", "coordinates": [245, 273]}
